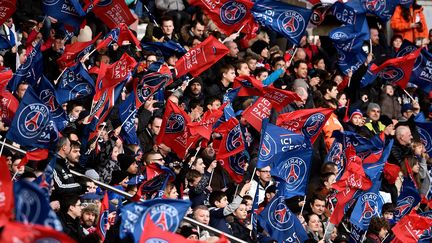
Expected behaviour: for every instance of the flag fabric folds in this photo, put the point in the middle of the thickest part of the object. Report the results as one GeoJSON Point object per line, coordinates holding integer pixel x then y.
{"type": "Point", "coordinates": [407, 199]}
{"type": "Point", "coordinates": [74, 83]}
{"type": "Point", "coordinates": [288, 20]}
{"type": "Point", "coordinates": [113, 13]}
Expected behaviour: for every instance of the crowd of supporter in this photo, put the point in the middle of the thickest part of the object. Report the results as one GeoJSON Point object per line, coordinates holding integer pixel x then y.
{"type": "Point", "coordinates": [311, 71]}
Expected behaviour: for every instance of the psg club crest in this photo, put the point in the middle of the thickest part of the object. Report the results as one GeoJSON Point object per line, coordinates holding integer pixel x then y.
{"type": "Point", "coordinates": [103, 221]}
{"type": "Point", "coordinates": [279, 215]}
{"type": "Point", "coordinates": [268, 148]}
{"type": "Point", "coordinates": [232, 12]}
{"type": "Point", "coordinates": [234, 139]}
{"type": "Point", "coordinates": [50, 2]}
{"type": "Point", "coordinates": [164, 216]}
{"type": "Point", "coordinates": [375, 5]}
{"type": "Point", "coordinates": [143, 92]}
{"type": "Point", "coordinates": [175, 123]}
{"type": "Point", "coordinates": [295, 171]}
{"type": "Point", "coordinates": [370, 207]}
{"type": "Point", "coordinates": [48, 97]}
{"type": "Point", "coordinates": [80, 90]}
{"type": "Point", "coordinates": [99, 104]}
{"type": "Point", "coordinates": [312, 124]}
{"type": "Point", "coordinates": [425, 138]}
{"type": "Point", "coordinates": [31, 119]}
{"type": "Point", "coordinates": [403, 206]}
{"type": "Point", "coordinates": [291, 23]}
{"type": "Point", "coordinates": [391, 74]}
{"type": "Point", "coordinates": [238, 162]}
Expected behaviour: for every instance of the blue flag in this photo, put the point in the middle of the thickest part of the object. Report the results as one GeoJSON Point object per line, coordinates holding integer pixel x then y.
{"type": "Point", "coordinates": [344, 13]}
{"type": "Point", "coordinates": [230, 95]}
{"type": "Point", "coordinates": [32, 125]}
{"type": "Point", "coordinates": [424, 130]}
{"type": "Point", "coordinates": [373, 170]}
{"type": "Point", "coordinates": [165, 49]}
{"type": "Point", "coordinates": [46, 94]}
{"type": "Point", "coordinates": [5, 43]}
{"type": "Point", "coordinates": [408, 198]}
{"type": "Point", "coordinates": [406, 3]}
{"type": "Point", "coordinates": [31, 206]}
{"type": "Point", "coordinates": [288, 20]}
{"type": "Point", "coordinates": [74, 83]}
{"type": "Point", "coordinates": [44, 181]}
{"type": "Point", "coordinates": [127, 114]}
{"type": "Point", "coordinates": [381, 8]}
{"type": "Point", "coordinates": [165, 213]}
{"type": "Point", "coordinates": [30, 71]}
{"type": "Point", "coordinates": [255, 206]}
{"type": "Point", "coordinates": [68, 12]}
{"type": "Point", "coordinates": [422, 71]}
{"type": "Point", "coordinates": [279, 222]}
{"type": "Point", "coordinates": [368, 78]}
{"type": "Point", "coordinates": [275, 141]}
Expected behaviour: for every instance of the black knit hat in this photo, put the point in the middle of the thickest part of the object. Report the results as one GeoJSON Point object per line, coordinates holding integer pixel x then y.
{"type": "Point", "coordinates": [125, 161]}
{"type": "Point", "coordinates": [258, 46]}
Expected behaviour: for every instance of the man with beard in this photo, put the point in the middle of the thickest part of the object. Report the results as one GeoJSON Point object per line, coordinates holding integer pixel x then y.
{"type": "Point", "coordinates": [88, 217]}
{"type": "Point", "coordinates": [194, 91]}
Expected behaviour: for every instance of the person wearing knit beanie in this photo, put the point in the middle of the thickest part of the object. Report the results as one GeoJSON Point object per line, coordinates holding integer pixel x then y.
{"type": "Point", "coordinates": [127, 163]}
{"type": "Point", "coordinates": [260, 47]}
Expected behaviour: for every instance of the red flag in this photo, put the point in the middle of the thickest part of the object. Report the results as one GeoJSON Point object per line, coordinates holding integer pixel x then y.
{"type": "Point", "coordinates": [124, 34]}
{"type": "Point", "coordinates": [232, 139]}
{"type": "Point", "coordinates": [8, 8]}
{"type": "Point", "coordinates": [5, 76]}
{"type": "Point", "coordinates": [113, 13]}
{"type": "Point", "coordinates": [6, 189]}
{"type": "Point", "coordinates": [8, 105]}
{"type": "Point", "coordinates": [255, 113]}
{"type": "Point", "coordinates": [112, 74]}
{"type": "Point", "coordinates": [391, 172]}
{"type": "Point", "coordinates": [204, 127]}
{"type": "Point", "coordinates": [411, 227]}
{"type": "Point", "coordinates": [308, 122]}
{"type": "Point", "coordinates": [152, 233]}
{"type": "Point", "coordinates": [201, 57]}
{"type": "Point", "coordinates": [251, 28]}
{"type": "Point", "coordinates": [103, 101]}
{"type": "Point", "coordinates": [397, 70]}
{"type": "Point", "coordinates": [36, 155]}
{"type": "Point", "coordinates": [228, 15]}
{"type": "Point", "coordinates": [70, 54]}
{"type": "Point", "coordinates": [103, 217]}
{"type": "Point", "coordinates": [235, 165]}
{"type": "Point", "coordinates": [354, 178]}
{"type": "Point", "coordinates": [148, 86]}
{"type": "Point", "coordinates": [173, 132]}
{"type": "Point", "coordinates": [153, 170]}
{"type": "Point", "coordinates": [250, 86]}
{"type": "Point", "coordinates": [278, 97]}
{"type": "Point", "coordinates": [29, 233]}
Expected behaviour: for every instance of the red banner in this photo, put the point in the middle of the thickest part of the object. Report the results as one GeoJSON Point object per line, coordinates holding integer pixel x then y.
{"type": "Point", "coordinates": [8, 105]}
{"type": "Point", "coordinates": [35, 155]}
{"type": "Point", "coordinates": [7, 9]}
{"type": "Point", "coordinates": [173, 132]}
{"type": "Point", "coordinates": [112, 74]}
{"type": "Point", "coordinates": [411, 227]}
{"type": "Point", "coordinates": [278, 97]}
{"type": "Point", "coordinates": [255, 113]}
{"type": "Point", "coordinates": [204, 127]}
{"type": "Point", "coordinates": [308, 122]}
{"type": "Point", "coordinates": [113, 13]}
{"type": "Point", "coordinates": [67, 59]}
{"type": "Point", "coordinates": [228, 15]}
{"type": "Point", "coordinates": [6, 189]}
{"type": "Point", "coordinates": [250, 86]}
{"type": "Point", "coordinates": [201, 57]}
{"type": "Point", "coordinates": [232, 139]}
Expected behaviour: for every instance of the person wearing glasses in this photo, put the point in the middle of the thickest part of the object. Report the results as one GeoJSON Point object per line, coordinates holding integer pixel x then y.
{"type": "Point", "coordinates": [264, 180]}
{"type": "Point", "coordinates": [70, 216]}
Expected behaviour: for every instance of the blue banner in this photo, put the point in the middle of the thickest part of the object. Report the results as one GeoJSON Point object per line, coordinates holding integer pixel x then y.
{"type": "Point", "coordinates": [30, 71]}
{"type": "Point", "coordinates": [68, 12]}
{"type": "Point", "coordinates": [408, 198]}
{"type": "Point", "coordinates": [74, 83]}
{"type": "Point", "coordinates": [127, 114]}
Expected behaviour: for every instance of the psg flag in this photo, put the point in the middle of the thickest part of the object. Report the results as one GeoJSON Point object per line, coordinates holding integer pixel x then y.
{"type": "Point", "coordinates": [68, 12]}
{"type": "Point", "coordinates": [407, 199]}
{"type": "Point", "coordinates": [228, 15]}
{"type": "Point", "coordinates": [32, 125]}
{"type": "Point", "coordinates": [74, 83]}
{"type": "Point", "coordinates": [9, 8]}
{"type": "Point", "coordinates": [113, 12]}
{"type": "Point", "coordinates": [287, 20]}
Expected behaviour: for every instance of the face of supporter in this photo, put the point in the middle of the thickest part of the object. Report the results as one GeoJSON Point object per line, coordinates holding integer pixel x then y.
{"type": "Point", "coordinates": [115, 152]}
{"type": "Point", "coordinates": [133, 168]}
{"type": "Point", "coordinates": [342, 100]}
{"type": "Point", "coordinates": [105, 59]}
{"type": "Point", "coordinates": [265, 53]}
{"type": "Point", "coordinates": [74, 155]}
{"type": "Point", "coordinates": [23, 56]}
{"type": "Point", "coordinates": [278, 65]}
{"type": "Point", "coordinates": [244, 70]}
{"type": "Point", "coordinates": [74, 113]}
{"type": "Point", "coordinates": [389, 90]}
{"type": "Point", "coordinates": [405, 138]}
{"type": "Point", "coordinates": [168, 27]}
{"type": "Point", "coordinates": [222, 203]}
{"type": "Point", "coordinates": [301, 71]}
{"type": "Point", "coordinates": [397, 43]}
{"type": "Point", "coordinates": [374, 114]}
{"type": "Point", "coordinates": [172, 60]}
{"type": "Point", "coordinates": [195, 42]}
{"type": "Point", "coordinates": [156, 158]}
{"type": "Point", "coordinates": [202, 216]}
{"type": "Point", "coordinates": [416, 168]}
{"type": "Point", "coordinates": [318, 207]}
{"type": "Point", "coordinates": [389, 130]}
{"type": "Point", "coordinates": [264, 174]}
{"type": "Point", "coordinates": [300, 55]}
{"type": "Point", "coordinates": [357, 120]}
{"type": "Point", "coordinates": [252, 64]}
{"type": "Point", "coordinates": [156, 125]}
{"type": "Point", "coordinates": [198, 30]}
{"type": "Point", "coordinates": [209, 151]}
{"type": "Point", "coordinates": [241, 212]}
{"type": "Point", "coordinates": [230, 75]}
{"type": "Point", "coordinates": [374, 36]}
{"type": "Point", "coordinates": [75, 210]}
{"type": "Point", "coordinates": [22, 88]}
{"type": "Point", "coordinates": [91, 186]}
{"type": "Point", "coordinates": [173, 194]}
{"type": "Point", "coordinates": [58, 44]}
{"type": "Point", "coordinates": [320, 64]}
{"type": "Point", "coordinates": [249, 205]}
{"type": "Point", "coordinates": [330, 181]}
{"type": "Point", "coordinates": [419, 149]}
{"type": "Point", "coordinates": [196, 88]}
{"type": "Point", "coordinates": [15, 167]}
{"type": "Point", "coordinates": [233, 49]}
{"type": "Point", "coordinates": [334, 234]}
{"type": "Point", "coordinates": [2, 61]}
{"type": "Point", "coordinates": [388, 215]}
{"type": "Point", "coordinates": [150, 59]}
{"type": "Point", "coordinates": [314, 223]}
{"type": "Point", "coordinates": [199, 166]}
{"type": "Point", "coordinates": [262, 76]}
{"type": "Point", "coordinates": [215, 105]}
{"type": "Point", "coordinates": [333, 92]}
{"type": "Point", "coordinates": [338, 79]}
{"type": "Point", "coordinates": [88, 219]}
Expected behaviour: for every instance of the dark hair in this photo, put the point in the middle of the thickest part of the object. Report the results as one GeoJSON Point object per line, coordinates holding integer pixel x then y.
{"type": "Point", "coordinates": [75, 144]}
{"type": "Point", "coordinates": [216, 196]}
{"type": "Point", "coordinates": [276, 59]}
{"type": "Point", "coordinates": [61, 142]}
{"type": "Point", "coordinates": [317, 196]}
{"type": "Point", "coordinates": [376, 224]}
{"type": "Point", "coordinates": [166, 18]}
{"type": "Point", "coordinates": [195, 22]}
{"type": "Point", "coordinates": [396, 36]}
{"type": "Point", "coordinates": [225, 68]}
{"type": "Point", "coordinates": [297, 63]}
{"type": "Point", "coordinates": [327, 85]}
{"type": "Point", "coordinates": [67, 201]}
{"type": "Point", "coordinates": [192, 175]}
{"type": "Point", "coordinates": [260, 70]}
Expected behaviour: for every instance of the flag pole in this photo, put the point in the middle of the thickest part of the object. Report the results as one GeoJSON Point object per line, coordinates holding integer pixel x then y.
{"type": "Point", "coordinates": [292, 57]}
{"type": "Point", "coordinates": [406, 92]}
{"type": "Point", "coordinates": [304, 202]}
{"type": "Point", "coordinates": [235, 193]}
{"type": "Point", "coordinates": [99, 134]}
{"type": "Point", "coordinates": [61, 74]}
{"type": "Point", "coordinates": [1, 150]}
